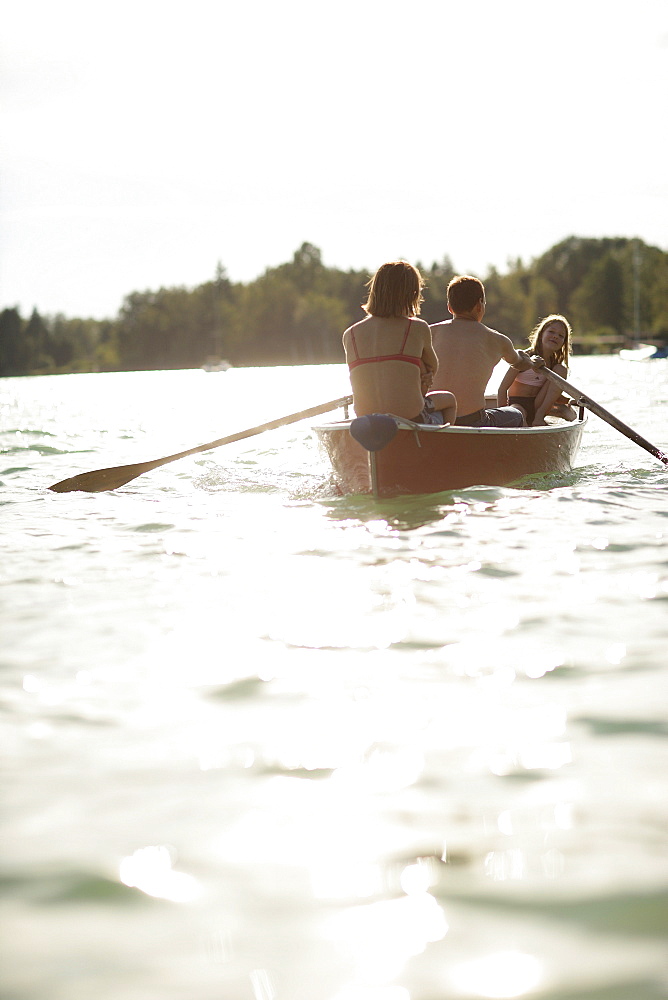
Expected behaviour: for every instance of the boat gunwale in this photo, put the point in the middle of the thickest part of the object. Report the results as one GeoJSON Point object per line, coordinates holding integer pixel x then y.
{"type": "Point", "coordinates": [461, 429]}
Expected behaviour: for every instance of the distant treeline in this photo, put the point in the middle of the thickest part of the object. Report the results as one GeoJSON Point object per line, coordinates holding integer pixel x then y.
{"type": "Point", "coordinates": [610, 289]}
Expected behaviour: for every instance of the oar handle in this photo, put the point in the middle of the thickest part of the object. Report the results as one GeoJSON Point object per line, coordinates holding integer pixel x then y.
{"type": "Point", "coordinates": [291, 418]}
{"type": "Point", "coordinates": [583, 400]}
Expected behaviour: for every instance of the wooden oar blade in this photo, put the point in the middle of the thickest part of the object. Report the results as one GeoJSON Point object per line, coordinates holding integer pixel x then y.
{"type": "Point", "coordinates": [102, 479]}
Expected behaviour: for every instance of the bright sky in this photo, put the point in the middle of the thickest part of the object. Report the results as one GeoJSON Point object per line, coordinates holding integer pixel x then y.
{"type": "Point", "coordinates": [146, 140]}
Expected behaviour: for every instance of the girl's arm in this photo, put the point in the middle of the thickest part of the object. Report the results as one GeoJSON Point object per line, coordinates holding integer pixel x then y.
{"type": "Point", "coordinates": [345, 341]}
{"type": "Point", "coordinates": [548, 395]}
{"type": "Point", "coordinates": [429, 359]}
{"type": "Point", "coordinates": [502, 392]}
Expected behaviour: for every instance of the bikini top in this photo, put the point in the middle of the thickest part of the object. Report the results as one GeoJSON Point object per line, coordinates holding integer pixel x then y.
{"type": "Point", "coordinates": [531, 376]}
{"type": "Point", "coordinates": [384, 357]}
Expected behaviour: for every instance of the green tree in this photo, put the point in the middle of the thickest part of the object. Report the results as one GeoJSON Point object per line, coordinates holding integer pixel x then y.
{"type": "Point", "coordinates": [599, 298]}
{"type": "Point", "coordinates": [217, 305]}
{"type": "Point", "coordinates": [508, 302]}
{"type": "Point", "coordinates": [106, 350]}
{"type": "Point", "coordinates": [319, 322]}
{"type": "Point", "coordinates": [161, 330]}
{"type": "Point", "coordinates": [647, 292]}
{"type": "Point", "coordinates": [437, 278]}
{"type": "Point", "coordinates": [306, 270]}
{"type": "Point", "coordinates": [655, 301]}
{"type": "Point", "coordinates": [296, 312]}
{"type": "Point", "coordinates": [270, 305]}
{"type": "Point", "coordinates": [565, 266]}
{"type": "Point", "coordinates": [14, 353]}
{"type": "Point", "coordinates": [38, 343]}
{"type": "Point", "coordinates": [73, 344]}
{"type": "Point", "coordinates": [542, 299]}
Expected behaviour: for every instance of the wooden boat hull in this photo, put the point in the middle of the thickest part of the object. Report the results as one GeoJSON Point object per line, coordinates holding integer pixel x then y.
{"type": "Point", "coordinates": [434, 459]}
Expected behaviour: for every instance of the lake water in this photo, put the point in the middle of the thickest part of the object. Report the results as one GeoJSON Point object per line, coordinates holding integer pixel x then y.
{"type": "Point", "coordinates": [264, 742]}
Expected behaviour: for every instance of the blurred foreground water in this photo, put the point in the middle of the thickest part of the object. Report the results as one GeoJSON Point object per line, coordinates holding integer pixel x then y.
{"type": "Point", "coordinates": [263, 741]}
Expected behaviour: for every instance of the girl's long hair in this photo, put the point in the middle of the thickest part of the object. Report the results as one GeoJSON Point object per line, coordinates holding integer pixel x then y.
{"type": "Point", "coordinates": [395, 290]}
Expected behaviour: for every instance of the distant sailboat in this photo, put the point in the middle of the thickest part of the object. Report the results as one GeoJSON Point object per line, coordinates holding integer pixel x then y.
{"type": "Point", "coordinates": [644, 352]}
{"type": "Point", "coordinates": [216, 365]}
{"type": "Point", "coordinates": [640, 352]}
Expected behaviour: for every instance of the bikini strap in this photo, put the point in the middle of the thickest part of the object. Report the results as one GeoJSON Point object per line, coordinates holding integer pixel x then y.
{"type": "Point", "coordinates": [352, 337]}
{"type": "Point", "coordinates": [408, 330]}
{"type": "Point", "coordinates": [354, 342]}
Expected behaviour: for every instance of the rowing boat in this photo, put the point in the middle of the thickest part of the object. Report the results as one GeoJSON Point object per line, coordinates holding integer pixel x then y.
{"type": "Point", "coordinates": [429, 460]}
{"type": "Point", "coordinates": [399, 456]}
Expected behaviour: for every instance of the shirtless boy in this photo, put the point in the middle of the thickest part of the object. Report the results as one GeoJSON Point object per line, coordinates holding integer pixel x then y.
{"type": "Point", "coordinates": [468, 352]}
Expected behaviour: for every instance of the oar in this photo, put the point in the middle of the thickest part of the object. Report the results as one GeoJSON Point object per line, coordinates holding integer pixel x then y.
{"type": "Point", "coordinates": [584, 400]}
{"type": "Point", "coordinates": [111, 479]}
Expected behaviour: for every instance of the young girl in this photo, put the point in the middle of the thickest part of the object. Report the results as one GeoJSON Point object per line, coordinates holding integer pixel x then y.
{"type": "Point", "coordinates": [533, 391]}
{"type": "Point", "coordinates": [390, 353]}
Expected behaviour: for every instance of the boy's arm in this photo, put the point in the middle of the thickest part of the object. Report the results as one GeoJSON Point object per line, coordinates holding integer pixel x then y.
{"type": "Point", "coordinates": [429, 358]}
{"type": "Point", "coordinates": [519, 360]}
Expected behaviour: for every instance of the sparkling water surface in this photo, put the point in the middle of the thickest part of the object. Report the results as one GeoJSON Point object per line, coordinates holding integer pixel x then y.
{"type": "Point", "coordinates": [266, 742]}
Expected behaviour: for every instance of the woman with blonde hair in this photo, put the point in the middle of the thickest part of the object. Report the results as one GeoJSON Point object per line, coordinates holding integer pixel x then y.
{"type": "Point", "coordinates": [390, 353]}
{"type": "Point", "coordinates": [532, 390]}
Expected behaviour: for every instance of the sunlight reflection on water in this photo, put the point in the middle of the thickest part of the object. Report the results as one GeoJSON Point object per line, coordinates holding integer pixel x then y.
{"type": "Point", "coordinates": [384, 935]}
{"type": "Point", "coordinates": [150, 870]}
{"type": "Point", "coordinates": [403, 749]}
{"type": "Point", "coordinates": [500, 975]}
